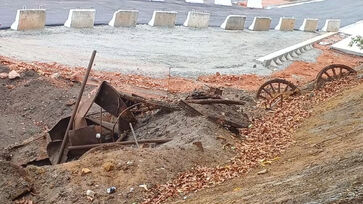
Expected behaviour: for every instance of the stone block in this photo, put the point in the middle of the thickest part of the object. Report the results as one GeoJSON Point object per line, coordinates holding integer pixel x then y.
{"type": "Point", "coordinates": [163, 18]}
{"type": "Point", "coordinates": [29, 19]}
{"type": "Point", "coordinates": [124, 18]}
{"type": "Point", "coordinates": [81, 18]}
{"type": "Point", "coordinates": [234, 22]}
{"type": "Point", "coordinates": [197, 20]}
{"type": "Point", "coordinates": [286, 24]}
{"type": "Point", "coordinates": [260, 24]}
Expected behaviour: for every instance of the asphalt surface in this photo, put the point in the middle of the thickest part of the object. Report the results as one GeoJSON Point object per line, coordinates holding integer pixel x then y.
{"type": "Point", "coordinates": [349, 11]}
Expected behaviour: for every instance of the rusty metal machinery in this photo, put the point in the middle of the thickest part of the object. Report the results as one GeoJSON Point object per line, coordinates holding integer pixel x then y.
{"type": "Point", "coordinates": [86, 127]}
{"type": "Point", "coordinates": [332, 72]}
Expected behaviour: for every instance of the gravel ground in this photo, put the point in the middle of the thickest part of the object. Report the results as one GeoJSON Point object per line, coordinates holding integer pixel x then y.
{"type": "Point", "coordinates": [152, 51]}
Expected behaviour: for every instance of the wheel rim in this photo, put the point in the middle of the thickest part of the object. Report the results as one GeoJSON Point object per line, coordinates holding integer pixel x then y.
{"type": "Point", "coordinates": [333, 72]}
{"type": "Point", "coordinates": [274, 87]}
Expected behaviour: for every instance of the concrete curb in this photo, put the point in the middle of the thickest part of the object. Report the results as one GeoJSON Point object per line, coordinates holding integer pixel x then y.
{"type": "Point", "coordinates": [234, 22]}
{"type": "Point", "coordinates": [278, 57]}
{"type": "Point", "coordinates": [80, 18]}
{"type": "Point", "coordinates": [260, 24]}
{"type": "Point", "coordinates": [254, 4]}
{"type": "Point", "coordinates": [124, 18]}
{"type": "Point", "coordinates": [195, 1]}
{"type": "Point", "coordinates": [286, 24]}
{"type": "Point", "coordinates": [197, 20]}
{"type": "Point", "coordinates": [331, 25]}
{"type": "Point", "coordinates": [309, 25]}
{"type": "Point", "coordinates": [163, 18]}
{"type": "Point", "coordinates": [29, 19]}
{"type": "Point", "coordinates": [223, 2]}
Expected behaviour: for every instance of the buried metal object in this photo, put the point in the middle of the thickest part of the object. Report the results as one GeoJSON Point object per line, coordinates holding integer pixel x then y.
{"type": "Point", "coordinates": [85, 128]}
{"type": "Point", "coordinates": [332, 72]}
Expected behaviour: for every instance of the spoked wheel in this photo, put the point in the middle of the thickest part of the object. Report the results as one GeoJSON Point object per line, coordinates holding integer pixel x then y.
{"type": "Point", "coordinates": [274, 89]}
{"type": "Point", "coordinates": [332, 72]}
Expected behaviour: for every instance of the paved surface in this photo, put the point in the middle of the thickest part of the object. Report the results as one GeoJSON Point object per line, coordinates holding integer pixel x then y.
{"type": "Point", "coordinates": [152, 51]}
{"type": "Point", "coordinates": [349, 11]}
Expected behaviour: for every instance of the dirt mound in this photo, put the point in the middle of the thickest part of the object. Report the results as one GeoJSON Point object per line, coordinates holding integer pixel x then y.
{"type": "Point", "coordinates": [324, 165]}
{"type": "Point", "coordinates": [14, 182]}
{"type": "Point", "coordinates": [29, 105]}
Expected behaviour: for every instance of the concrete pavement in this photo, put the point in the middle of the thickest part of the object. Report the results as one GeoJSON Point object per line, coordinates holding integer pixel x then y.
{"type": "Point", "coordinates": [349, 11]}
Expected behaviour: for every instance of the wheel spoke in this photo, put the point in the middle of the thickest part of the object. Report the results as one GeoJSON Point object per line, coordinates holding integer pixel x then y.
{"type": "Point", "coordinates": [286, 88]}
{"type": "Point", "coordinates": [335, 75]}
{"type": "Point", "coordinates": [326, 73]}
{"type": "Point", "coordinates": [267, 92]}
{"type": "Point", "coordinates": [272, 88]}
{"type": "Point", "coordinates": [279, 87]}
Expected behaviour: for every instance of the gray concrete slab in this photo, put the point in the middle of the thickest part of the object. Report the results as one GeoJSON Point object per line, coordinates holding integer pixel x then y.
{"type": "Point", "coordinates": [349, 11]}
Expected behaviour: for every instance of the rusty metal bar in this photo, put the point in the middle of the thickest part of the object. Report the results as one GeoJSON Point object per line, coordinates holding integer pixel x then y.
{"type": "Point", "coordinates": [65, 138]}
{"type": "Point", "coordinates": [157, 141]}
{"type": "Point", "coordinates": [126, 109]}
{"type": "Point", "coordinates": [133, 133]}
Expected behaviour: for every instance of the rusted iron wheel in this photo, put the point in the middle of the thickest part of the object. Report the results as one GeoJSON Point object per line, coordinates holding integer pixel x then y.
{"type": "Point", "coordinates": [332, 72]}
{"type": "Point", "coordinates": [272, 88]}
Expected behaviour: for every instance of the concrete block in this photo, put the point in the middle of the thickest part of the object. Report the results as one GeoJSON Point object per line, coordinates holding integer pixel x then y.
{"type": "Point", "coordinates": [195, 1]}
{"type": "Point", "coordinates": [223, 2]}
{"type": "Point", "coordinates": [163, 18]}
{"type": "Point", "coordinates": [292, 51]}
{"type": "Point", "coordinates": [288, 56]}
{"type": "Point", "coordinates": [234, 22]}
{"type": "Point", "coordinates": [309, 25]}
{"type": "Point", "coordinates": [331, 25]}
{"type": "Point", "coordinates": [286, 24]}
{"type": "Point", "coordinates": [197, 20]}
{"type": "Point", "coordinates": [29, 19]}
{"type": "Point", "coordinates": [124, 18]}
{"type": "Point", "coordinates": [283, 58]}
{"type": "Point", "coordinates": [272, 64]}
{"type": "Point", "coordinates": [277, 61]}
{"type": "Point", "coordinates": [293, 54]}
{"type": "Point", "coordinates": [254, 4]}
{"type": "Point", "coordinates": [343, 46]}
{"type": "Point", "coordinates": [80, 18]}
{"type": "Point", "coordinates": [353, 29]}
{"type": "Point", "coordinates": [260, 24]}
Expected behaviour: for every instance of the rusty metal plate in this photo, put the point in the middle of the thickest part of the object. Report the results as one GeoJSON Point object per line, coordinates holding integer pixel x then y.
{"type": "Point", "coordinates": [82, 136]}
